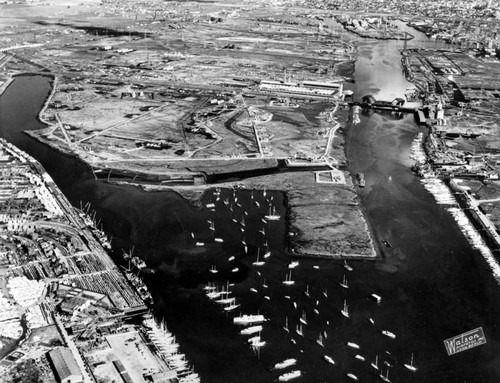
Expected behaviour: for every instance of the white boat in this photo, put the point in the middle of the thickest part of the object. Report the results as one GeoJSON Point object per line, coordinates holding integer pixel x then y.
{"type": "Point", "coordinates": [251, 330]}
{"type": "Point", "coordinates": [264, 284]}
{"type": "Point", "coordinates": [267, 254]}
{"type": "Point", "coordinates": [410, 366]}
{"type": "Point", "coordinates": [249, 319]}
{"type": "Point", "coordinates": [285, 327]}
{"type": "Point", "coordinates": [220, 240]}
{"type": "Point", "coordinates": [347, 267]}
{"type": "Point", "coordinates": [192, 235]}
{"type": "Point", "coordinates": [325, 293]}
{"type": "Point", "coordinates": [263, 231]}
{"type": "Point", "coordinates": [320, 340]}
{"type": "Point", "coordinates": [345, 310]}
{"type": "Point", "coordinates": [288, 279]}
{"type": "Point", "coordinates": [385, 377]}
{"type": "Point", "coordinates": [375, 364]}
{"type": "Point", "coordinates": [253, 290]}
{"type": "Point", "coordinates": [257, 262]}
{"type": "Point", "coordinates": [344, 283]}
{"type": "Point", "coordinates": [212, 225]}
{"type": "Point", "coordinates": [231, 258]}
{"type": "Point", "coordinates": [307, 291]}
{"type": "Point", "coordinates": [389, 334]}
{"type": "Point", "coordinates": [200, 243]}
{"type": "Point", "coordinates": [328, 359]}
{"type": "Point", "coordinates": [286, 363]}
{"type": "Point", "coordinates": [242, 223]}
{"type": "Point", "coordinates": [235, 270]}
{"type": "Point", "coordinates": [267, 297]}
{"type": "Point", "coordinates": [293, 265]}
{"type": "Point", "coordinates": [231, 307]}
{"type": "Point", "coordinates": [257, 203]}
{"type": "Point", "coordinates": [210, 205]}
{"type": "Point", "coordinates": [371, 321]}
{"type": "Point", "coordinates": [254, 339]}
{"type": "Point", "coordinates": [377, 298]}
{"type": "Point", "coordinates": [289, 376]}
{"type": "Point", "coordinates": [352, 376]}
{"type": "Point", "coordinates": [226, 301]}
{"type": "Point", "coordinates": [303, 318]}
{"type": "Point", "coordinates": [272, 215]}
{"type": "Point", "coordinates": [316, 267]}
{"type": "Point", "coordinates": [298, 329]}
{"type": "Point", "coordinates": [360, 357]}
{"type": "Point", "coordinates": [213, 269]}
{"type": "Point", "coordinates": [353, 345]}
{"type": "Point", "coordinates": [316, 311]}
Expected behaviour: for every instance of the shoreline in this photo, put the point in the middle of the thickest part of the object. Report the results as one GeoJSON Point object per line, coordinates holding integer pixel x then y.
{"type": "Point", "coordinates": [302, 245]}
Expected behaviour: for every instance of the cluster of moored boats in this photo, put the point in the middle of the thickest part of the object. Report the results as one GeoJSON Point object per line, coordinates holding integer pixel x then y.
{"type": "Point", "coordinates": [168, 349]}
{"type": "Point", "coordinates": [417, 149]}
{"type": "Point", "coordinates": [475, 239]}
{"type": "Point", "coordinates": [439, 190]}
{"type": "Point", "coordinates": [253, 325]}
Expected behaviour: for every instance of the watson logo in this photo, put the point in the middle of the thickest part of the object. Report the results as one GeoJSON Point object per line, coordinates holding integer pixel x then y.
{"type": "Point", "coordinates": [465, 341]}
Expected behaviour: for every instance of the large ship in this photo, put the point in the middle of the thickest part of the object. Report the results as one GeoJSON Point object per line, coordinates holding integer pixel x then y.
{"type": "Point", "coordinates": [249, 319]}
{"type": "Point", "coordinates": [286, 363]}
{"type": "Point", "coordinates": [289, 376]}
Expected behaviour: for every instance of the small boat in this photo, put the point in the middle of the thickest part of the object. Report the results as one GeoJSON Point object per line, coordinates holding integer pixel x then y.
{"type": "Point", "coordinates": [210, 205]}
{"type": "Point", "coordinates": [325, 293]}
{"type": "Point", "coordinates": [307, 291]}
{"type": "Point", "coordinates": [385, 377]}
{"type": "Point", "coordinates": [293, 341]}
{"type": "Point", "coordinates": [375, 364]}
{"type": "Point", "coordinates": [231, 307]}
{"type": "Point", "coordinates": [192, 235]}
{"type": "Point", "coordinates": [293, 265]}
{"type": "Point", "coordinates": [234, 220]}
{"type": "Point", "coordinates": [360, 357]}
{"type": "Point", "coordinates": [257, 203]}
{"type": "Point", "coordinates": [352, 376]}
{"type": "Point", "coordinates": [213, 269]}
{"type": "Point", "coordinates": [345, 310]}
{"type": "Point", "coordinates": [389, 334]}
{"type": "Point", "coordinates": [286, 363]}
{"type": "Point", "coordinates": [200, 243]}
{"type": "Point", "coordinates": [251, 330]}
{"type": "Point", "coordinates": [272, 215]}
{"type": "Point", "coordinates": [220, 240]}
{"type": "Point", "coordinates": [344, 283]}
{"type": "Point", "coordinates": [328, 359]}
{"type": "Point", "coordinates": [242, 223]}
{"type": "Point", "coordinates": [346, 266]}
{"type": "Point", "coordinates": [303, 319]}
{"type": "Point", "coordinates": [316, 267]}
{"type": "Point", "coordinates": [235, 270]}
{"type": "Point", "coordinates": [263, 231]}
{"type": "Point", "coordinates": [267, 254]}
{"type": "Point", "coordinates": [377, 298]}
{"type": "Point", "coordinates": [298, 329]}
{"type": "Point", "coordinates": [353, 345]}
{"type": "Point", "coordinates": [249, 319]}
{"type": "Point", "coordinates": [371, 321]}
{"type": "Point", "coordinates": [267, 297]}
{"type": "Point", "coordinates": [295, 305]}
{"type": "Point", "coordinates": [226, 301]}
{"type": "Point", "coordinates": [387, 243]}
{"type": "Point", "coordinates": [316, 311]}
{"type": "Point", "coordinates": [253, 290]}
{"type": "Point", "coordinates": [257, 262]}
{"type": "Point", "coordinates": [288, 279]}
{"type": "Point", "coordinates": [212, 225]}
{"type": "Point", "coordinates": [263, 220]}
{"type": "Point", "coordinates": [285, 327]}
{"type": "Point", "coordinates": [320, 339]}
{"type": "Point", "coordinates": [246, 249]}
{"type": "Point", "coordinates": [264, 284]}
{"type": "Point", "coordinates": [231, 258]}
{"type": "Point", "coordinates": [264, 192]}
{"type": "Point", "coordinates": [410, 366]}
{"type": "Point", "coordinates": [289, 375]}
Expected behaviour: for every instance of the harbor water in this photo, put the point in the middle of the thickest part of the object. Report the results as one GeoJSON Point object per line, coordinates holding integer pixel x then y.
{"type": "Point", "coordinates": [432, 284]}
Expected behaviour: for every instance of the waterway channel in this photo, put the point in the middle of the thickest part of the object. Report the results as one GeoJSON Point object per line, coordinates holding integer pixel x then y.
{"type": "Point", "coordinates": [432, 283]}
